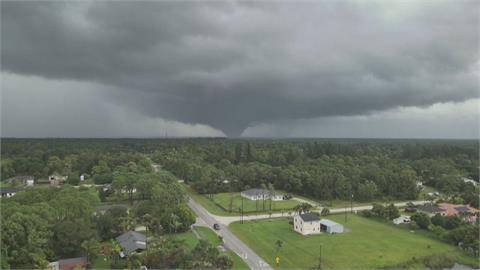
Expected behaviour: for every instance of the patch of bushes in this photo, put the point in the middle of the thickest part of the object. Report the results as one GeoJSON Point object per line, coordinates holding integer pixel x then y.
{"type": "Point", "coordinates": [437, 261]}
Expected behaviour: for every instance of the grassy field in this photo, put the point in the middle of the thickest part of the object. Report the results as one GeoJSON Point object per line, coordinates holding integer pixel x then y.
{"type": "Point", "coordinates": [369, 244]}
{"type": "Point", "coordinates": [250, 206]}
{"type": "Point", "coordinates": [189, 239]}
{"type": "Point", "coordinates": [207, 203]}
{"type": "Point", "coordinates": [426, 189]}
{"type": "Point", "coordinates": [220, 204]}
{"type": "Point", "coordinates": [207, 234]}
{"type": "Point", "coordinates": [101, 262]}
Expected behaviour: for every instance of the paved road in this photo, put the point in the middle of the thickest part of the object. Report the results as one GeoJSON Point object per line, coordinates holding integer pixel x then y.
{"type": "Point", "coordinates": [225, 220]}
{"type": "Point", "coordinates": [231, 241]}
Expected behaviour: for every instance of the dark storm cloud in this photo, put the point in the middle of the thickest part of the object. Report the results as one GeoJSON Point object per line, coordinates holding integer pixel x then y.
{"type": "Point", "coordinates": [232, 65]}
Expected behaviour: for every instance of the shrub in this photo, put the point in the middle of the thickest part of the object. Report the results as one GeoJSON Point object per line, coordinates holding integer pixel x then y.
{"type": "Point", "coordinates": [437, 230]}
{"type": "Point", "coordinates": [452, 222]}
{"type": "Point", "coordinates": [439, 261]}
{"type": "Point", "coordinates": [438, 220]}
{"type": "Point", "coordinates": [422, 220]}
{"type": "Point", "coordinates": [366, 213]}
{"type": "Point", "coordinates": [413, 225]}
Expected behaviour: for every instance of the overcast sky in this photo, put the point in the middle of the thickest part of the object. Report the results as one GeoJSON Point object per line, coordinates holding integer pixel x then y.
{"type": "Point", "coordinates": [406, 69]}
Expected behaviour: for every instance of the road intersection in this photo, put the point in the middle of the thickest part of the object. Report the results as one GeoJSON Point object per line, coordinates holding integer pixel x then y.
{"type": "Point", "coordinates": [241, 249]}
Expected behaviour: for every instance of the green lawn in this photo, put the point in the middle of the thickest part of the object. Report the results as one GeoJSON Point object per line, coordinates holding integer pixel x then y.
{"type": "Point", "coordinates": [369, 244]}
{"type": "Point", "coordinates": [249, 206]}
{"type": "Point", "coordinates": [206, 233]}
{"type": "Point", "coordinates": [209, 235]}
{"type": "Point", "coordinates": [101, 262]}
{"type": "Point", "coordinates": [426, 189]}
{"type": "Point", "coordinates": [238, 263]}
{"type": "Point", "coordinates": [189, 238]}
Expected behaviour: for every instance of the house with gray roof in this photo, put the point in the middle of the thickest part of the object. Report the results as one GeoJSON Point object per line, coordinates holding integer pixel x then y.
{"type": "Point", "coordinates": [9, 192]}
{"type": "Point", "coordinates": [131, 242]}
{"type": "Point", "coordinates": [261, 194]}
{"type": "Point", "coordinates": [306, 223]}
{"type": "Point", "coordinates": [431, 209]}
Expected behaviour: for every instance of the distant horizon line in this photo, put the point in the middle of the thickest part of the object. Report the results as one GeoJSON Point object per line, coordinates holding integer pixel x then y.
{"type": "Point", "coordinates": [246, 138]}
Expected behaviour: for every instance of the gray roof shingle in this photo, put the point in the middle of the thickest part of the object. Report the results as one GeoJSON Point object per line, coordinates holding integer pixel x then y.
{"type": "Point", "coordinates": [309, 217]}
{"type": "Point", "coordinates": [132, 241]}
{"type": "Point", "coordinates": [430, 208]}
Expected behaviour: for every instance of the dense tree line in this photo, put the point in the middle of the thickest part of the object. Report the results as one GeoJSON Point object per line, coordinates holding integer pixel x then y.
{"type": "Point", "coordinates": [328, 171]}
{"type": "Point", "coordinates": [322, 169]}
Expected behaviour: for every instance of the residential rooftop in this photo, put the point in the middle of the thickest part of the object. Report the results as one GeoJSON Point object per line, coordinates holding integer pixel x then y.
{"type": "Point", "coordinates": [309, 217]}
{"type": "Point", "coordinates": [258, 191]}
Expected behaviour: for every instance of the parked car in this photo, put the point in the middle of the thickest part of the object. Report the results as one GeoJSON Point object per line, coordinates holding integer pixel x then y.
{"type": "Point", "coordinates": [216, 226]}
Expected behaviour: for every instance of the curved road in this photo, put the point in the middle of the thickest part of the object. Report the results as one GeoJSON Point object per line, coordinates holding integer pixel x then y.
{"type": "Point", "coordinates": [241, 249]}
{"type": "Point", "coordinates": [231, 241]}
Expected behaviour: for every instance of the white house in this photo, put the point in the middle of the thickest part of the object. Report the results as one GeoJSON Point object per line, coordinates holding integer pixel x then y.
{"type": "Point", "coordinates": [29, 182]}
{"type": "Point", "coordinates": [9, 192]}
{"type": "Point", "coordinates": [329, 226]}
{"type": "Point", "coordinates": [468, 180]}
{"type": "Point", "coordinates": [307, 223]}
{"type": "Point", "coordinates": [401, 220]}
{"type": "Point", "coordinates": [25, 180]}
{"type": "Point", "coordinates": [57, 179]}
{"type": "Point", "coordinates": [261, 194]}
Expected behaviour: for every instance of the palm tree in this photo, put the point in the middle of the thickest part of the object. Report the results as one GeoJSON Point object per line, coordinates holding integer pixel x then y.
{"type": "Point", "coordinates": [116, 249]}
{"type": "Point", "coordinates": [133, 261]}
{"type": "Point", "coordinates": [264, 187]}
{"type": "Point", "coordinates": [147, 222]}
{"type": "Point", "coordinates": [91, 248]}
{"type": "Point", "coordinates": [302, 208]}
{"type": "Point", "coordinates": [128, 222]}
{"type": "Point", "coordinates": [279, 244]}
{"type": "Point", "coordinates": [175, 223]}
{"type": "Point", "coordinates": [271, 190]}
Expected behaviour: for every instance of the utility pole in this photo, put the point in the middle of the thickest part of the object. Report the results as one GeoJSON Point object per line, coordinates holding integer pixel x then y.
{"type": "Point", "coordinates": [241, 219]}
{"type": "Point", "coordinates": [351, 204]}
{"type": "Point", "coordinates": [231, 196]}
{"type": "Point", "coordinates": [320, 258]}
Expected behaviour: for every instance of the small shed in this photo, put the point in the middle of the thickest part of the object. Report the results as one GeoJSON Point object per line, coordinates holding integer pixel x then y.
{"type": "Point", "coordinates": [83, 176]}
{"type": "Point", "coordinates": [329, 226]}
